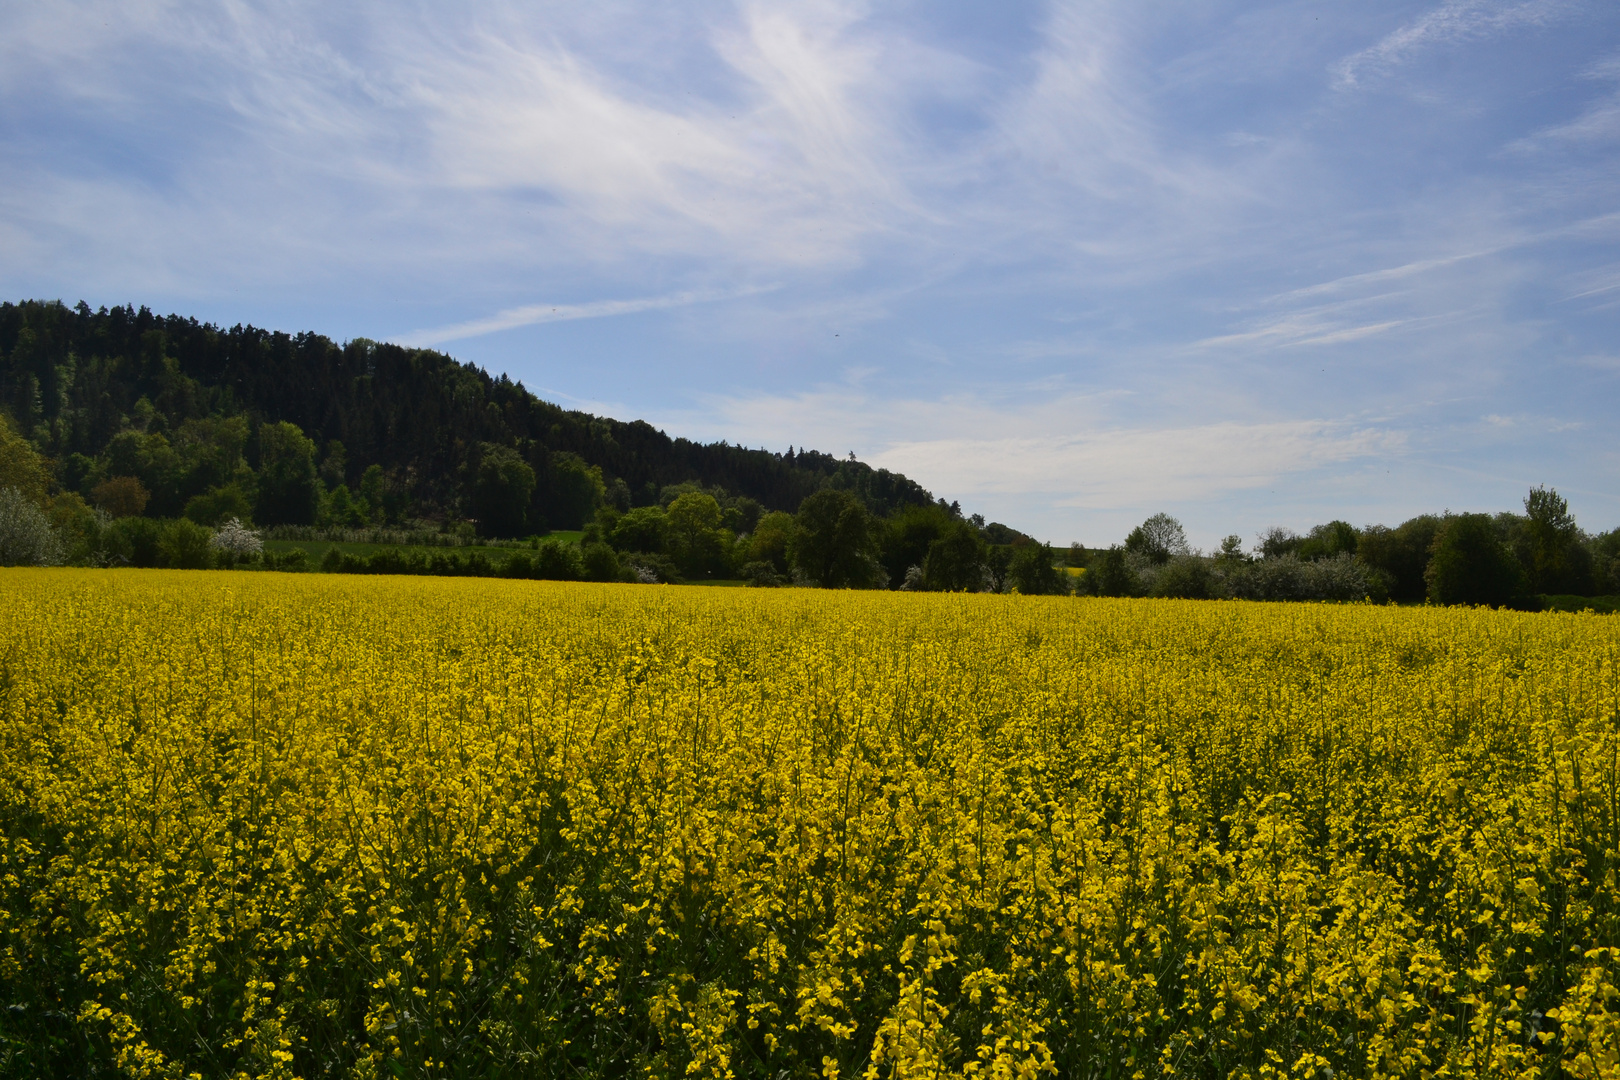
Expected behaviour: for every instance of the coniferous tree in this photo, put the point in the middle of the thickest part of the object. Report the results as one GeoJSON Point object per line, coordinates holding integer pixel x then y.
{"type": "Point", "coordinates": [75, 378]}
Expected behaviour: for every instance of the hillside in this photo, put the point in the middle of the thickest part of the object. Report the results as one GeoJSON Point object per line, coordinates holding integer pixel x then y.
{"type": "Point", "coordinates": [195, 411]}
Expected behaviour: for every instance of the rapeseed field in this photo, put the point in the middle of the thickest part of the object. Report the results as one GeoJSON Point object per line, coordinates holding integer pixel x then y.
{"type": "Point", "coordinates": [255, 825]}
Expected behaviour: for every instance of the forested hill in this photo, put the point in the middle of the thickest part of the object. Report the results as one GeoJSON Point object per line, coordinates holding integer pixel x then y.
{"type": "Point", "coordinates": [123, 391]}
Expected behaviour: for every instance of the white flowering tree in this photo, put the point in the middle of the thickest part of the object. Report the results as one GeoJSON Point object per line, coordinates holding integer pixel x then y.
{"type": "Point", "coordinates": [236, 541]}
{"type": "Point", "coordinates": [26, 536]}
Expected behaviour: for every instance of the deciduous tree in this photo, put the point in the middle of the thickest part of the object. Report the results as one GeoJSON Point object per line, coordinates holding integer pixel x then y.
{"type": "Point", "coordinates": [289, 490]}
{"type": "Point", "coordinates": [1159, 538]}
{"type": "Point", "coordinates": [832, 543]}
{"type": "Point", "coordinates": [502, 491]}
{"type": "Point", "coordinates": [1034, 573]}
{"type": "Point", "coordinates": [955, 561]}
{"type": "Point", "coordinates": [1471, 565]}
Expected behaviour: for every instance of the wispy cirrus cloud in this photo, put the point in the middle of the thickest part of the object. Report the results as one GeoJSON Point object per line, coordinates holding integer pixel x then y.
{"type": "Point", "coordinates": [1452, 22]}
{"type": "Point", "coordinates": [1352, 282]}
{"type": "Point", "coordinates": [534, 314]}
{"type": "Point", "coordinates": [791, 167]}
{"type": "Point", "coordinates": [1598, 122]}
{"type": "Point", "coordinates": [1302, 329]}
{"type": "Point", "coordinates": [1061, 241]}
{"type": "Point", "coordinates": [507, 132]}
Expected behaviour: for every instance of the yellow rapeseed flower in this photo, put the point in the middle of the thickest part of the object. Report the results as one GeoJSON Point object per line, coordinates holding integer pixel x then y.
{"type": "Point", "coordinates": [299, 826]}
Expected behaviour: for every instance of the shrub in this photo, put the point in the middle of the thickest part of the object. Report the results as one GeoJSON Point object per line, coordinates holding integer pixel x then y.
{"type": "Point", "coordinates": [133, 541]}
{"type": "Point", "coordinates": [600, 562]}
{"type": "Point", "coordinates": [121, 496]}
{"type": "Point", "coordinates": [1341, 578]}
{"type": "Point", "coordinates": [77, 526]}
{"type": "Point", "coordinates": [1400, 554]}
{"type": "Point", "coordinates": [21, 467]}
{"type": "Point", "coordinates": [556, 561]}
{"type": "Point", "coordinates": [642, 529]}
{"type": "Point", "coordinates": [1187, 577]}
{"type": "Point", "coordinates": [761, 574]}
{"type": "Point", "coordinates": [519, 565]}
{"type": "Point", "coordinates": [1287, 577]}
{"type": "Point", "coordinates": [294, 561]}
{"type": "Point", "coordinates": [769, 541]}
{"type": "Point", "coordinates": [1278, 541]}
{"type": "Point", "coordinates": [955, 561]}
{"type": "Point", "coordinates": [26, 535]}
{"type": "Point", "coordinates": [650, 567]}
{"type": "Point", "coordinates": [1605, 552]}
{"type": "Point", "coordinates": [1326, 541]}
{"type": "Point", "coordinates": [185, 545]}
{"type": "Point", "coordinates": [236, 542]}
{"type": "Point", "coordinates": [220, 504]}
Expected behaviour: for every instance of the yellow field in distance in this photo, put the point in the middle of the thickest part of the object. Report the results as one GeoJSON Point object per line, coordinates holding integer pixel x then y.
{"type": "Point", "coordinates": [324, 826]}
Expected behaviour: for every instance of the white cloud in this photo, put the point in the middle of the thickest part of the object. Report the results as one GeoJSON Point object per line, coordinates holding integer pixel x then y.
{"type": "Point", "coordinates": [1340, 321]}
{"type": "Point", "coordinates": [1351, 282]}
{"type": "Point", "coordinates": [533, 314]}
{"type": "Point", "coordinates": [1085, 167]}
{"type": "Point", "coordinates": [794, 165]}
{"type": "Point", "coordinates": [1598, 123]}
{"type": "Point", "coordinates": [1451, 22]}
{"type": "Point", "coordinates": [1107, 469]}
{"type": "Point", "coordinates": [498, 132]}
{"type": "Point", "coordinates": [1303, 328]}
{"type": "Point", "coordinates": [1061, 446]}
{"type": "Point", "coordinates": [1595, 284]}
{"type": "Point", "coordinates": [1166, 208]}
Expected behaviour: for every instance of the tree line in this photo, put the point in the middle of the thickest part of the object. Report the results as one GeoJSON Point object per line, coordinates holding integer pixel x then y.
{"type": "Point", "coordinates": [167, 417]}
{"type": "Point", "coordinates": [1525, 560]}
{"type": "Point", "coordinates": [689, 532]}
{"type": "Point", "coordinates": [130, 438]}
{"type": "Point", "coordinates": [697, 535]}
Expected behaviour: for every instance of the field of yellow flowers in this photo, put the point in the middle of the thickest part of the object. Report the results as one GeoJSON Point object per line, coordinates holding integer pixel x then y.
{"type": "Point", "coordinates": [281, 825]}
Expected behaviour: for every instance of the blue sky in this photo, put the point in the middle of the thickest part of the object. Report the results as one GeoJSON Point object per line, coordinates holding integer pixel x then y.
{"type": "Point", "coordinates": [1069, 263]}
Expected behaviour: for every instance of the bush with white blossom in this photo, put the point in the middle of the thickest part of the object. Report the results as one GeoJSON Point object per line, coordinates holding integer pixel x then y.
{"type": "Point", "coordinates": [236, 540]}
{"type": "Point", "coordinates": [26, 536]}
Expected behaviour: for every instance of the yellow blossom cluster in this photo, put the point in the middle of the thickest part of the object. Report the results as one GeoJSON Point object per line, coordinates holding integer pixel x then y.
{"type": "Point", "coordinates": [295, 826]}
